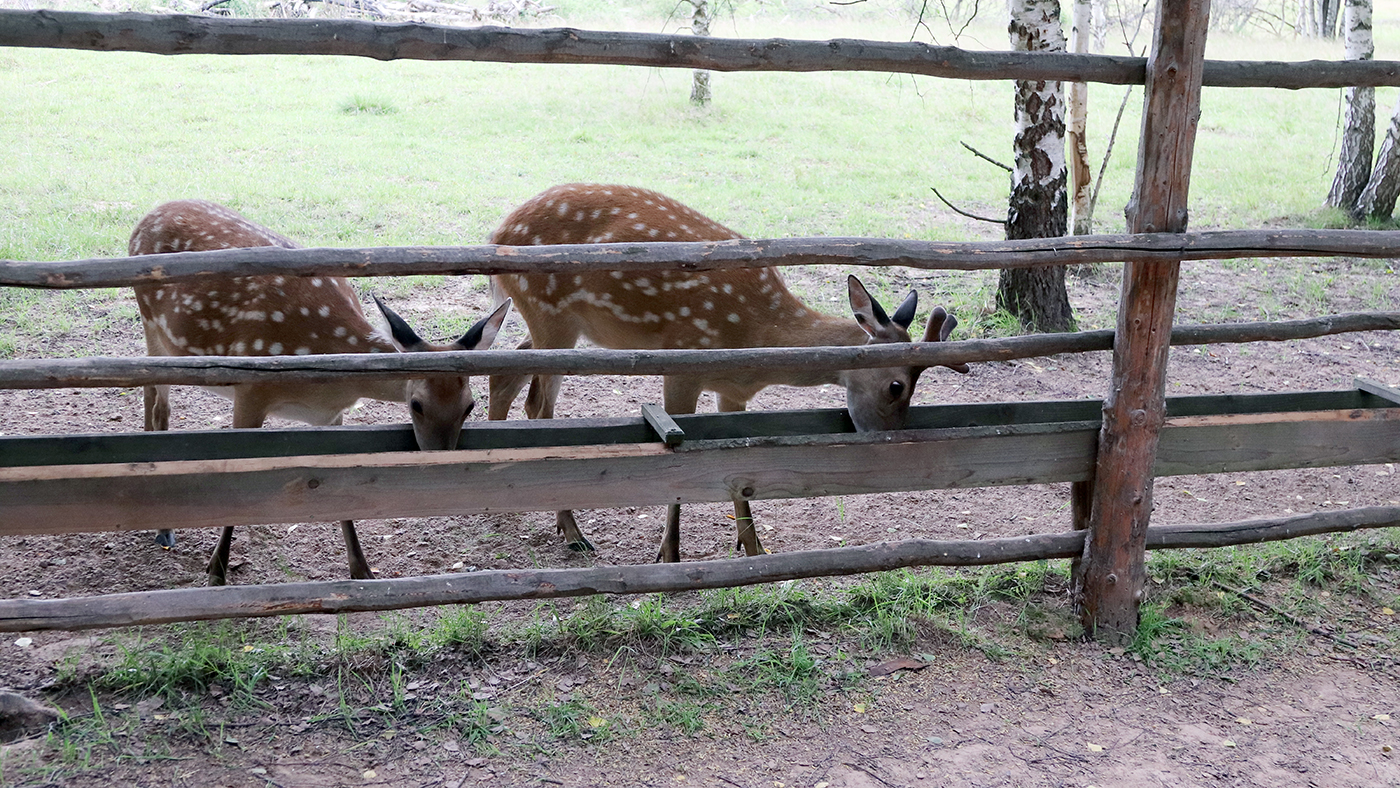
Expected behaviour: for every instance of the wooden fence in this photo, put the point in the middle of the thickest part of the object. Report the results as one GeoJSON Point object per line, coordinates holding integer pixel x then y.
{"type": "Point", "coordinates": [1122, 443]}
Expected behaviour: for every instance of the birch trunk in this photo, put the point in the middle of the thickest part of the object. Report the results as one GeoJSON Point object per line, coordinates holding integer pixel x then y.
{"type": "Point", "coordinates": [1377, 200]}
{"type": "Point", "coordinates": [1039, 205]}
{"type": "Point", "coordinates": [1081, 208]}
{"type": "Point", "coordinates": [700, 26]}
{"type": "Point", "coordinates": [1359, 133]}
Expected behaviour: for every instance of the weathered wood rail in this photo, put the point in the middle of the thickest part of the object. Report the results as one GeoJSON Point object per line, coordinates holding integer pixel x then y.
{"type": "Point", "coordinates": [205, 35]}
{"type": "Point", "coordinates": [349, 596]}
{"type": "Point", "coordinates": [102, 372]}
{"type": "Point", "coordinates": [742, 253]}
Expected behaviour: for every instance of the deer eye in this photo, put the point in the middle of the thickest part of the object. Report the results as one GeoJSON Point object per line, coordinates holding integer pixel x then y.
{"type": "Point", "coordinates": [897, 389]}
{"type": "Point", "coordinates": [416, 406]}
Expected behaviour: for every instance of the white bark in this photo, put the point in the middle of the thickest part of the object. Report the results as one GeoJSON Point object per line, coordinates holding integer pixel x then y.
{"type": "Point", "coordinates": [700, 26]}
{"type": "Point", "coordinates": [1378, 198]}
{"type": "Point", "coordinates": [1359, 133]}
{"type": "Point", "coordinates": [1077, 148]}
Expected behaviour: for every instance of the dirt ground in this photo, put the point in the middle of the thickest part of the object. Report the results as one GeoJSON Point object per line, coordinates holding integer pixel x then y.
{"type": "Point", "coordinates": [1072, 713]}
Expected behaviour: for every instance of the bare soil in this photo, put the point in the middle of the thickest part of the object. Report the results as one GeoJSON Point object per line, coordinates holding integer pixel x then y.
{"type": "Point", "coordinates": [1059, 711]}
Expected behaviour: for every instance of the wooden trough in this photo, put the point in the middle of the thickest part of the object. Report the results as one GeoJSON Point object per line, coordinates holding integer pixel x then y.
{"type": "Point", "coordinates": [63, 484]}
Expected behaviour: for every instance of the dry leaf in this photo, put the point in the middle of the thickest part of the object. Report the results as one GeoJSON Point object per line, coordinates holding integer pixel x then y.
{"type": "Point", "coordinates": [1381, 717]}
{"type": "Point", "coordinates": [1095, 747]}
{"type": "Point", "coordinates": [1244, 720]}
{"type": "Point", "coordinates": [369, 774]}
{"type": "Point", "coordinates": [890, 666]}
{"type": "Point", "coordinates": [859, 708]}
{"type": "Point", "coordinates": [596, 722]}
{"type": "Point", "coordinates": [1227, 743]}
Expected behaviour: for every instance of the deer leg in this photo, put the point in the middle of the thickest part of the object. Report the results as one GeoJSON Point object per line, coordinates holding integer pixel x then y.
{"type": "Point", "coordinates": [567, 526]}
{"type": "Point", "coordinates": [743, 515]}
{"type": "Point", "coordinates": [157, 407]}
{"type": "Point", "coordinates": [218, 562]}
{"type": "Point", "coordinates": [359, 567]}
{"type": "Point", "coordinates": [681, 395]}
{"type": "Point", "coordinates": [505, 388]}
{"type": "Point", "coordinates": [670, 550]}
{"type": "Point", "coordinates": [248, 413]}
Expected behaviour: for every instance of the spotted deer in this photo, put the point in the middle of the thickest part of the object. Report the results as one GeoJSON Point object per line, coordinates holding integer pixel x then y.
{"type": "Point", "coordinates": [284, 315]}
{"type": "Point", "coordinates": [735, 308]}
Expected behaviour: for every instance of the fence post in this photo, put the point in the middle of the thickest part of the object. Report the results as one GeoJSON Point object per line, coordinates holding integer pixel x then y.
{"type": "Point", "coordinates": [1110, 577]}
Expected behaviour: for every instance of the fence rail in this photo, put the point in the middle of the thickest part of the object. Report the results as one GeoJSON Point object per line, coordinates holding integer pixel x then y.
{"type": "Point", "coordinates": [191, 35]}
{"type": "Point", "coordinates": [742, 253]}
{"type": "Point", "coordinates": [346, 596]}
{"type": "Point", "coordinates": [105, 372]}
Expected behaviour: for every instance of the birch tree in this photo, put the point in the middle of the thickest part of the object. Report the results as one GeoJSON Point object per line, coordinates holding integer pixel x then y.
{"type": "Point", "coordinates": [1359, 133]}
{"type": "Point", "coordinates": [1377, 200]}
{"type": "Point", "coordinates": [1082, 218]}
{"type": "Point", "coordinates": [1038, 206]}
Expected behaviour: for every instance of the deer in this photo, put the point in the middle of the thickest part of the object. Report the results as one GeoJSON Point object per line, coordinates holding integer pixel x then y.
{"type": "Point", "coordinates": [267, 315]}
{"type": "Point", "coordinates": [672, 309]}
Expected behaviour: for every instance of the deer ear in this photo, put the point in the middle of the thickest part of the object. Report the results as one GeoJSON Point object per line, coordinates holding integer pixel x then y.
{"type": "Point", "coordinates": [481, 335]}
{"type": "Point", "coordinates": [940, 327]}
{"type": "Point", "coordinates": [869, 314]}
{"type": "Point", "coordinates": [404, 335]}
{"type": "Point", "coordinates": [904, 315]}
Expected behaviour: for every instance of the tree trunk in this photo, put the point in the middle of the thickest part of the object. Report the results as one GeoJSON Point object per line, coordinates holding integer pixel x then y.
{"type": "Point", "coordinates": [1318, 18]}
{"type": "Point", "coordinates": [1377, 200]}
{"type": "Point", "coordinates": [1039, 205]}
{"type": "Point", "coordinates": [700, 26]}
{"type": "Point", "coordinates": [1081, 209]}
{"type": "Point", "coordinates": [1359, 134]}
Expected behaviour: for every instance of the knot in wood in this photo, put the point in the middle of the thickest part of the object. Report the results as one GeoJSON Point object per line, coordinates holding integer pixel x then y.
{"type": "Point", "coordinates": [314, 483]}
{"type": "Point", "coordinates": [1137, 417]}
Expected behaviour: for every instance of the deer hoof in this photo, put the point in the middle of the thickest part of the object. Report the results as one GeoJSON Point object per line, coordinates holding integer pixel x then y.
{"type": "Point", "coordinates": [580, 545]}
{"type": "Point", "coordinates": [165, 538]}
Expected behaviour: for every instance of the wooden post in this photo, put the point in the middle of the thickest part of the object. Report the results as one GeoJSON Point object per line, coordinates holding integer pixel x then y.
{"type": "Point", "coordinates": [1111, 577]}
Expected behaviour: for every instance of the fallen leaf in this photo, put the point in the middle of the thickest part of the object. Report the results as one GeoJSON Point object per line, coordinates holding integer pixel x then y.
{"type": "Point", "coordinates": [1381, 717]}
{"type": "Point", "coordinates": [890, 666]}
{"type": "Point", "coordinates": [1227, 743]}
{"type": "Point", "coordinates": [859, 708]}
{"type": "Point", "coordinates": [1385, 611]}
{"type": "Point", "coordinates": [596, 722]}
{"type": "Point", "coordinates": [1094, 747]}
{"type": "Point", "coordinates": [1244, 720]}
{"type": "Point", "coordinates": [369, 774]}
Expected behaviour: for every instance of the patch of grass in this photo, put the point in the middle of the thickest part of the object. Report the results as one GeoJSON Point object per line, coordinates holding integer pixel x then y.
{"type": "Point", "coordinates": [364, 105]}
{"type": "Point", "coordinates": [1171, 646]}
{"type": "Point", "coordinates": [576, 719]}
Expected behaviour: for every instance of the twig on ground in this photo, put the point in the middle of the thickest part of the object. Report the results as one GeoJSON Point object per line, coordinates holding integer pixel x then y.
{"type": "Point", "coordinates": [1340, 640]}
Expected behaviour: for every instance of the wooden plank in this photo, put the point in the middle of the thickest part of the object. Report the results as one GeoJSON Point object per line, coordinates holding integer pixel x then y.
{"type": "Point", "coordinates": [718, 255]}
{"type": "Point", "coordinates": [310, 489]}
{"type": "Point", "coordinates": [1229, 419]}
{"type": "Point", "coordinates": [748, 426]}
{"type": "Point", "coordinates": [139, 496]}
{"type": "Point", "coordinates": [227, 370]}
{"type": "Point", "coordinates": [1112, 574]}
{"type": "Point", "coordinates": [1278, 445]}
{"type": "Point", "coordinates": [345, 596]}
{"type": "Point", "coordinates": [662, 424]}
{"type": "Point", "coordinates": [181, 35]}
{"type": "Point", "coordinates": [1376, 388]}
